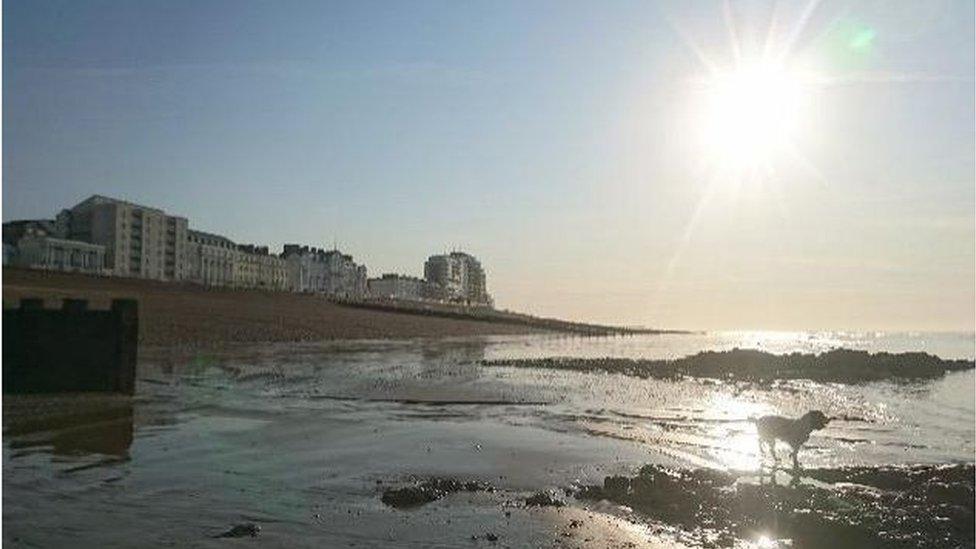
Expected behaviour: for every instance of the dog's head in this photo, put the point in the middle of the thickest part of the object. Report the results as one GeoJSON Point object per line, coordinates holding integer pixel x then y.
{"type": "Point", "coordinates": [816, 420]}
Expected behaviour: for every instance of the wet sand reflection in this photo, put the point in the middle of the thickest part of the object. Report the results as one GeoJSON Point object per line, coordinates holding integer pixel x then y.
{"type": "Point", "coordinates": [69, 425]}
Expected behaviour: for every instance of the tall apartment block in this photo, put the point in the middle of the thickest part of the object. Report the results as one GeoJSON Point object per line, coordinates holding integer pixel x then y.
{"type": "Point", "coordinates": [139, 241]}
{"type": "Point", "coordinates": [461, 276]}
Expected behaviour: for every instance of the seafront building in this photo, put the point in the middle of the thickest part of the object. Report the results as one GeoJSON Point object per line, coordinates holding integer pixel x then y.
{"type": "Point", "coordinates": [111, 237]}
{"type": "Point", "coordinates": [43, 244]}
{"type": "Point", "coordinates": [55, 254]}
{"type": "Point", "coordinates": [211, 259]}
{"type": "Point", "coordinates": [455, 277]}
{"type": "Point", "coordinates": [411, 288]}
{"type": "Point", "coordinates": [48, 253]}
{"type": "Point", "coordinates": [215, 260]}
{"type": "Point", "coordinates": [258, 268]}
{"type": "Point", "coordinates": [139, 241]}
{"type": "Point", "coordinates": [331, 272]}
{"type": "Point", "coordinates": [13, 231]}
{"type": "Point", "coordinates": [461, 275]}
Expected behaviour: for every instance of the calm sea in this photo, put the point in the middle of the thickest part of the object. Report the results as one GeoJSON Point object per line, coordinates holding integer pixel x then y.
{"type": "Point", "coordinates": [301, 438]}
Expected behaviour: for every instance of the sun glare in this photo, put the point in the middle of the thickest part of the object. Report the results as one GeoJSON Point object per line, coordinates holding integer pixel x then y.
{"type": "Point", "coordinates": [751, 113]}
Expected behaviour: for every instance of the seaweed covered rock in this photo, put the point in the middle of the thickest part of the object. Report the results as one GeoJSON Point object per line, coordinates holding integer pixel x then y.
{"type": "Point", "coordinates": [430, 490]}
{"type": "Point", "coordinates": [839, 365]}
{"type": "Point", "coordinates": [901, 507]}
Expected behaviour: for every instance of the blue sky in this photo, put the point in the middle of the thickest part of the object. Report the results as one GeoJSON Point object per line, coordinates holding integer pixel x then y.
{"type": "Point", "coordinates": [551, 139]}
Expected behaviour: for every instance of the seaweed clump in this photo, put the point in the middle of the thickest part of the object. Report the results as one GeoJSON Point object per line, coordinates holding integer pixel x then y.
{"type": "Point", "coordinates": [922, 506]}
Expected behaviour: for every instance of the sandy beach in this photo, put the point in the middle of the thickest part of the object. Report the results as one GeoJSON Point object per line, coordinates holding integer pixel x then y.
{"type": "Point", "coordinates": [193, 316]}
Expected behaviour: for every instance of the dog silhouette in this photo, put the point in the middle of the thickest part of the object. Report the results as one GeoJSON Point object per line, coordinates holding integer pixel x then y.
{"type": "Point", "coordinates": [794, 432]}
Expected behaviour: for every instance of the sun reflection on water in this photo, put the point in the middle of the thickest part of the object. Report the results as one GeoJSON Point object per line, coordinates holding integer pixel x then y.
{"type": "Point", "coordinates": [765, 542]}
{"type": "Point", "coordinates": [737, 447]}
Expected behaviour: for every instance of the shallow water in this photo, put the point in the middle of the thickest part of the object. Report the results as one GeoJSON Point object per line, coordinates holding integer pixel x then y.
{"type": "Point", "coordinates": [303, 438]}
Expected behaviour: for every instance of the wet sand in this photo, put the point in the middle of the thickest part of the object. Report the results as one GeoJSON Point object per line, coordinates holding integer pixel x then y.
{"type": "Point", "coordinates": [416, 444]}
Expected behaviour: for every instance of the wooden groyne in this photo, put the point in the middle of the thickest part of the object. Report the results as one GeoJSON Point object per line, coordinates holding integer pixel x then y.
{"type": "Point", "coordinates": [71, 349]}
{"type": "Point", "coordinates": [482, 313]}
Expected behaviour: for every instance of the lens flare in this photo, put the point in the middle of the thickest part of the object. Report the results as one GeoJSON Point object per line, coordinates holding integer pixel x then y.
{"type": "Point", "coordinates": [752, 113]}
{"type": "Point", "coordinates": [862, 40]}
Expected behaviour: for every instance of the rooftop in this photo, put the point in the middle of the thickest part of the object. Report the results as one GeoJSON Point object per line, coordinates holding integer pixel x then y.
{"type": "Point", "coordinates": [210, 236]}
{"type": "Point", "coordinates": [96, 199]}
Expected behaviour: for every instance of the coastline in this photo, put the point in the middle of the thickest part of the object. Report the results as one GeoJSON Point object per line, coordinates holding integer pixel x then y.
{"type": "Point", "coordinates": [187, 315]}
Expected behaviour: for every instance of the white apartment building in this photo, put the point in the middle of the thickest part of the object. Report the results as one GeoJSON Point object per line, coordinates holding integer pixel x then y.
{"type": "Point", "coordinates": [327, 272]}
{"type": "Point", "coordinates": [103, 235]}
{"type": "Point", "coordinates": [257, 268]}
{"type": "Point", "coordinates": [211, 259]}
{"type": "Point", "coordinates": [139, 241]}
{"type": "Point", "coordinates": [461, 276]}
{"type": "Point", "coordinates": [215, 260]}
{"type": "Point", "coordinates": [395, 286]}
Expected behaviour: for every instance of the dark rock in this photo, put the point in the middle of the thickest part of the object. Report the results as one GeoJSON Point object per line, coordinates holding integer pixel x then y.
{"type": "Point", "coordinates": [543, 499]}
{"type": "Point", "coordinates": [840, 365]}
{"type": "Point", "coordinates": [488, 537]}
{"type": "Point", "coordinates": [243, 530]}
{"type": "Point", "coordinates": [430, 490]}
{"type": "Point", "coordinates": [921, 506]}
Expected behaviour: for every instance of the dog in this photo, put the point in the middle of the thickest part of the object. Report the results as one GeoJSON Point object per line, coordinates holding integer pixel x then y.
{"type": "Point", "coordinates": [794, 432]}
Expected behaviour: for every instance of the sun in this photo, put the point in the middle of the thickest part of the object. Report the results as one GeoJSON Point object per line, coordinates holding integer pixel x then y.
{"type": "Point", "coordinates": [751, 113]}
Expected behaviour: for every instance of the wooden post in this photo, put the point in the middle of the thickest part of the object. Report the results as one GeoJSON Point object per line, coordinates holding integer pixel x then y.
{"type": "Point", "coordinates": [127, 323]}
{"type": "Point", "coordinates": [70, 350]}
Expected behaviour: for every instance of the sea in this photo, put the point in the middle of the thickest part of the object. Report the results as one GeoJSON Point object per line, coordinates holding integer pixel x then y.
{"type": "Point", "coordinates": [302, 439]}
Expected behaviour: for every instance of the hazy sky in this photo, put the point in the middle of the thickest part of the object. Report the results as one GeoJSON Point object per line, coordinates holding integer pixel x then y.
{"type": "Point", "coordinates": [557, 141]}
